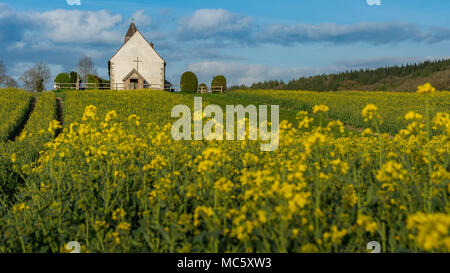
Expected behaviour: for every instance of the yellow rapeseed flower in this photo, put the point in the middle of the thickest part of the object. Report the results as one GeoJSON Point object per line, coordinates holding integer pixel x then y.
{"type": "Point", "coordinates": [124, 226]}
{"type": "Point", "coordinates": [413, 115]}
{"type": "Point", "coordinates": [369, 112]}
{"type": "Point", "coordinates": [118, 214]}
{"type": "Point", "coordinates": [426, 88]}
{"type": "Point", "coordinates": [14, 158]}
{"type": "Point", "coordinates": [431, 231]}
{"type": "Point", "coordinates": [320, 109]}
{"type": "Point", "coordinates": [367, 223]}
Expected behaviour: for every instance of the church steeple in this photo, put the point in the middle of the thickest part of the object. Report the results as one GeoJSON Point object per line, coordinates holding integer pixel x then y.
{"type": "Point", "coordinates": [131, 31]}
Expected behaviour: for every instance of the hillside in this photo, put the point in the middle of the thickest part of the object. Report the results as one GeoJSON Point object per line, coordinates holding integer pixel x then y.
{"type": "Point", "coordinates": [394, 78]}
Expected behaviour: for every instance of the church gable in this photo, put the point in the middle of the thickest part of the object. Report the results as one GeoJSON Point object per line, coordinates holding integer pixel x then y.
{"type": "Point", "coordinates": [136, 40]}
{"type": "Point", "coordinates": [137, 54]}
{"type": "Point", "coordinates": [134, 74]}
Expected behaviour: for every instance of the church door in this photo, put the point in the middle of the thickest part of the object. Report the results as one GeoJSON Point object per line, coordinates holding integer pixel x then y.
{"type": "Point", "coordinates": [134, 84]}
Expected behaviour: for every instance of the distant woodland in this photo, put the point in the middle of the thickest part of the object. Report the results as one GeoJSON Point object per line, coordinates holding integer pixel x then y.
{"type": "Point", "coordinates": [393, 78]}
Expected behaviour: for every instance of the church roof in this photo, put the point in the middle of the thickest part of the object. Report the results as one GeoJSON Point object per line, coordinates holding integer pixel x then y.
{"type": "Point", "coordinates": [132, 72]}
{"type": "Point", "coordinates": [131, 31]}
{"type": "Point", "coordinates": [126, 40]}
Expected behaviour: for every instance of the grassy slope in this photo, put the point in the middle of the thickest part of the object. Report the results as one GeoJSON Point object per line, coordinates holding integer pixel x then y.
{"type": "Point", "coordinates": [441, 80]}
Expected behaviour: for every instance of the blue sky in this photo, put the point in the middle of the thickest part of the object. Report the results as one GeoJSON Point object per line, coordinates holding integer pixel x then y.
{"type": "Point", "coordinates": [245, 40]}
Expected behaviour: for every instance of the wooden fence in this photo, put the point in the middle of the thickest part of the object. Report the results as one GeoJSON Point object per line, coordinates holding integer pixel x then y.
{"type": "Point", "coordinates": [124, 86]}
{"type": "Point", "coordinates": [212, 89]}
{"type": "Point", "coordinates": [117, 86]}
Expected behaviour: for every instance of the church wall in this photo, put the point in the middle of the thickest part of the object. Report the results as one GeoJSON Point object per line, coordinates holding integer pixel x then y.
{"type": "Point", "coordinates": [151, 67]}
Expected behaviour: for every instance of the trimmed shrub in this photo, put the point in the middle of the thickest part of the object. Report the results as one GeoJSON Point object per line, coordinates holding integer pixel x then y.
{"type": "Point", "coordinates": [73, 77]}
{"type": "Point", "coordinates": [93, 79]}
{"type": "Point", "coordinates": [62, 78]}
{"type": "Point", "coordinates": [103, 81]}
{"type": "Point", "coordinates": [219, 81]}
{"type": "Point", "coordinates": [189, 82]}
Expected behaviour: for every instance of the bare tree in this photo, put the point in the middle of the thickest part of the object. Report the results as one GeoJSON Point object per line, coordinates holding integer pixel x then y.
{"type": "Point", "coordinates": [9, 82]}
{"type": "Point", "coordinates": [2, 73]}
{"type": "Point", "coordinates": [6, 80]}
{"type": "Point", "coordinates": [35, 78]}
{"type": "Point", "coordinates": [86, 67]}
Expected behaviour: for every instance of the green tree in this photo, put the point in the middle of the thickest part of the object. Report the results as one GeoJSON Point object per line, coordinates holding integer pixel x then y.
{"type": "Point", "coordinates": [189, 82]}
{"type": "Point", "coordinates": [93, 79]}
{"type": "Point", "coordinates": [219, 80]}
{"type": "Point", "coordinates": [62, 78]}
{"type": "Point", "coordinates": [73, 77]}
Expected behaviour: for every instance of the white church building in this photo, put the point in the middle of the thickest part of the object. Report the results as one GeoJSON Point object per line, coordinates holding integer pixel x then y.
{"type": "Point", "coordinates": [137, 65]}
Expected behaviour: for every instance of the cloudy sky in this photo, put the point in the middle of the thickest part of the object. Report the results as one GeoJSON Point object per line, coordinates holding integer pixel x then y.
{"type": "Point", "coordinates": [246, 40]}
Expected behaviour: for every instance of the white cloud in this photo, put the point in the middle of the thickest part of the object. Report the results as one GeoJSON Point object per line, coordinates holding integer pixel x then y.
{"type": "Point", "coordinates": [59, 26]}
{"type": "Point", "coordinates": [239, 73]}
{"type": "Point", "coordinates": [222, 27]}
{"type": "Point", "coordinates": [210, 23]}
{"type": "Point", "coordinates": [371, 32]}
{"type": "Point", "coordinates": [19, 68]}
{"type": "Point", "coordinates": [5, 10]}
{"type": "Point", "coordinates": [17, 45]}
{"type": "Point", "coordinates": [141, 18]}
{"type": "Point", "coordinates": [59, 37]}
{"type": "Point", "coordinates": [67, 26]}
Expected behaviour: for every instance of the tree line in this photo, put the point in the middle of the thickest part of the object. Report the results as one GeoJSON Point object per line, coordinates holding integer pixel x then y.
{"type": "Point", "coordinates": [354, 78]}
{"type": "Point", "coordinates": [35, 78]}
{"type": "Point", "coordinates": [5, 80]}
{"type": "Point", "coordinates": [86, 73]}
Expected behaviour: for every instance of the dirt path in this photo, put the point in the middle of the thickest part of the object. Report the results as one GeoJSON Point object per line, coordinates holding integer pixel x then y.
{"type": "Point", "coordinates": [18, 130]}
{"type": "Point", "coordinates": [59, 113]}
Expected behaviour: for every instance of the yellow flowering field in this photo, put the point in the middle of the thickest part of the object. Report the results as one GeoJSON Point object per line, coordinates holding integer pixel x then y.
{"type": "Point", "coordinates": [346, 106]}
{"type": "Point", "coordinates": [13, 103]}
{"type": "Point", "coordinates": [25, 149]}
{"type": "Point", "coordinates": [115, 181]}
